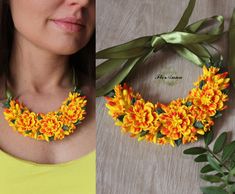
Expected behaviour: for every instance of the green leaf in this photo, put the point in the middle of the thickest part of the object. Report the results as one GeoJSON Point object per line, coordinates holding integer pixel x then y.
{"type": "Point", "coordinates": [133, 100]}
{"type": "Point", "coordinates": [213, 163]}
{"type": "Point", "coordinates": [39, 117]}
{"type": "Point", "coordinates": [201, 158]}
{"type": "Point", "coordinates": [77, 122]}
{"type": "Point", "coordinates": [195, 151]}
{"type": "Point", "coordinates": [213, 190]}
{"type": "Point", "coordinates": [65, 127]}
{"type": "Point", "coordinates": [28, 131]}
{"type": "Point", "coordinates": [232, 188]}
{"type": "Point", "coordinates": [188, 104]}
{"type": "Point", "coordinates": [59, 113]}
{"type": "Point", "coordinates": [159, 110]}
{"type": "Point", "coordinates": [201, 84]}
{"type": "Point", "coordinates": [159, 135]}
{"type": "Point", "coordinates": [207, 169]}
{"type": "Point", "coordinates": [6, 104]}
{"type": "Point", "coordinates": [178, 142]}
{"type": "Point", "coordinates": [220, 174]}
{"type": "Point", "coordinates": [228, 151]}
{"type": "Point", "coordinates": [198, 124]}
{"type": "Point", "coordinates": [51, 138]}
{"type": "Point", "coordinates": [232, 172]}
{"type": "Point", "coordinates": [68, 102]}
{"type": "Point", "coordinates": [121, 117]}
{"type": "Point", "coordinates": [143, 133]}
{"type": "Point", "coordinates": [111, 94]}
{"type": "Point", "coordinates": [209, 137]}
{"type": "Point", "coordinates": [225, 91]}
{"type": "Point", "coordinates": [219, 143]}
{"type": "Point", "coordinates": [211, 178]}
{"type": "Point", "coordinates": [217, 115]}
{"type": "Point", "coordinates": [78, 90]}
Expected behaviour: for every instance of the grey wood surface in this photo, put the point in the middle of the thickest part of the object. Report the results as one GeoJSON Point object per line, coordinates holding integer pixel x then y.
{"type": "Point", "coordinates": [125, 166]}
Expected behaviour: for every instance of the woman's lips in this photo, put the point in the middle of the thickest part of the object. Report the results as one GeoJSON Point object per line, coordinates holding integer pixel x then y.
{"type": "Point", "coordinates": [69, 24]}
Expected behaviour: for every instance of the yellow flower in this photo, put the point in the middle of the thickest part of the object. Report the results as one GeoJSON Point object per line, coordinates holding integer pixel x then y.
{"type": "Point", "coordinates": [59, 134]}
{"type": "Point", "coordinates": [73, 108]}
{"type": "Point", "coordinates": [216, 81]}
{"type": "Point", "coordinates": [13, 111]}
{"type": "Point", "coordinates": [121, 101]}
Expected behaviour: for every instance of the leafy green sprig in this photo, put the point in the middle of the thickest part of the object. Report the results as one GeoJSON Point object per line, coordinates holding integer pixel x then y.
{"type": "Point", "coordinates": [219, 168]}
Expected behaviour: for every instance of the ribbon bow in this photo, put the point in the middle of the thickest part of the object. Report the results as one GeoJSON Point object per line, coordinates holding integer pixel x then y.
{"type": "Point", "coordinates": [184, 39]}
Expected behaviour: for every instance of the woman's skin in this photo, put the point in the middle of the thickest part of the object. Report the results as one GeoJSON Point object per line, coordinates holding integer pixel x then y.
{"type": "Point", "coordinates": [40, 75]}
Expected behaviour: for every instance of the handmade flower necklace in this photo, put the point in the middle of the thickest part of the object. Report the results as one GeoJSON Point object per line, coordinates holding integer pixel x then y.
{"type": "Point", "coordinates": [185, 119]}
{"type": "Point", "coordinates": [182, 120]}
{"type": "Point", "coordinates": [50, 126]}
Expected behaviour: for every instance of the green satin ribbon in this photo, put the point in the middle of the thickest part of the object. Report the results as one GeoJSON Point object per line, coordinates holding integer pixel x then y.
{"type": "Point", "coordinates": [184, 39]}
{"type": "Point", "coordinates": [231, 60]}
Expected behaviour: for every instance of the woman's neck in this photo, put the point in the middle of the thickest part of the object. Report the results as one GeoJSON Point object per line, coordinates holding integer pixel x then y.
{"type": "Point", "coordinates": [33, 69]}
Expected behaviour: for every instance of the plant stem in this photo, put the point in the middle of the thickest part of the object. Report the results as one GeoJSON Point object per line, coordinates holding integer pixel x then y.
{"type": "Point", "coordinates": [208, 149]}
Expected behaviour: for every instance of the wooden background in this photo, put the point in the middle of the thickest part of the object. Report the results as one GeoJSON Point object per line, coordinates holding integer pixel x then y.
{"type": "Point", "coordinates": [125, 166]}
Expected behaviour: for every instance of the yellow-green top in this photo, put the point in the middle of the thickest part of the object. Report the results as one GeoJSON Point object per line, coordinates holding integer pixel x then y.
{"type": "Point", "coordinates": [24, 177]}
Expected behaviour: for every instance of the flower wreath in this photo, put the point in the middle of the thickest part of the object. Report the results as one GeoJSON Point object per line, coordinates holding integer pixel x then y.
{"type": "Point", "coordinates": [181, 121]}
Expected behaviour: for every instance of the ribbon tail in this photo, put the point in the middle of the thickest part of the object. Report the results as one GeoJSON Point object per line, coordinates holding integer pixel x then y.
{"type": "Point", "coordinates": [231, 39]}
{"type": "Point", "coordinates": [185, 18]}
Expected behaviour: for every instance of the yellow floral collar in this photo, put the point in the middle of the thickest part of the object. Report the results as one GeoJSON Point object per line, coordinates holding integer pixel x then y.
{"type": "Point", "coordinates": [51, 126]}
{"type": "Point", "coordinates": [181, 121]}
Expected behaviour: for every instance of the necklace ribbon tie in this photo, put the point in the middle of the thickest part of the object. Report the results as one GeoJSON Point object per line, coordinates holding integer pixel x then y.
{"type": "Point", "coordinates": [184, 39]}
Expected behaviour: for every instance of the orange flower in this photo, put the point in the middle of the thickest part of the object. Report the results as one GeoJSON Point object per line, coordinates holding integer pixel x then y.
{"type": "Point", "coordinates": [141, 117]}
{"type": "Point", "coordinates": [49, 125]}
{"type": "Point", "coordinates": [208, 99]}
{"type": "Point", "coordinates": [26, 123]}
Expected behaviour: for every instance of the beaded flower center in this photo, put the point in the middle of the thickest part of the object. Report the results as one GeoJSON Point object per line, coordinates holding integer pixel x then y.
{"type": "Point", "coordinates": [181, 121]}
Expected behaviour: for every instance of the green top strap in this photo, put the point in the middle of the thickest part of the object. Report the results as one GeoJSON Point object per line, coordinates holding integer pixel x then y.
{"type": "Point", "coordinates": [184, 39]}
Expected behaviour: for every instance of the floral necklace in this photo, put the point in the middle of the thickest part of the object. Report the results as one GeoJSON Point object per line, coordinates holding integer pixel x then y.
{"type": "Point", "coordinates": [181, 121]}
{"type": "Point", "coordinates": [50, 126]}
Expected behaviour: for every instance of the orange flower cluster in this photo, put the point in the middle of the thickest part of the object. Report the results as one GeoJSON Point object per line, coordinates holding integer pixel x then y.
{"type": "Point", "coordinates": [51, 126]}
{"type": "Point", "coordinates": [181, 121]}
